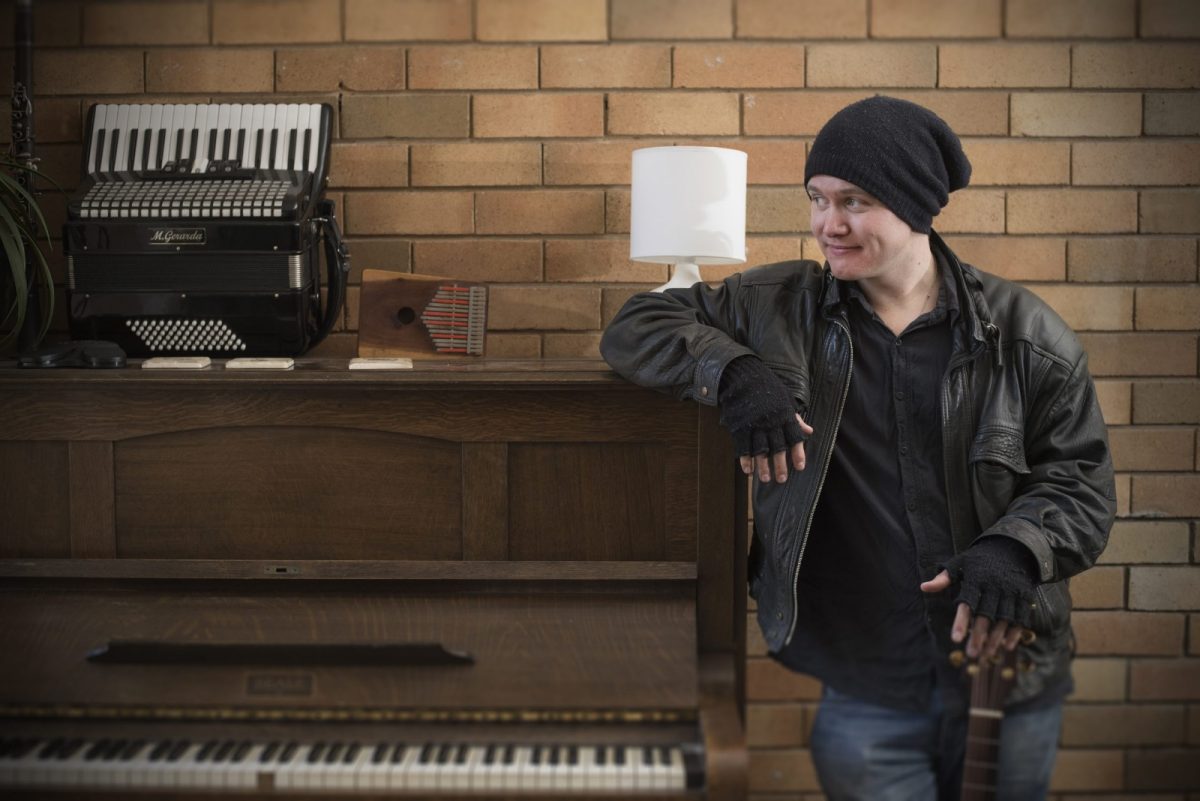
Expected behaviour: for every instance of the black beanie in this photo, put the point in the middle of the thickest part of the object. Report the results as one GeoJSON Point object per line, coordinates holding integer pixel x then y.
{"type": "Point", "coordinates": [900, 152]}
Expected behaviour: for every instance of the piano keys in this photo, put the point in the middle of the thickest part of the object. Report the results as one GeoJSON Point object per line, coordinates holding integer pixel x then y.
{"type": "Point", "coordinates": [209, 217]}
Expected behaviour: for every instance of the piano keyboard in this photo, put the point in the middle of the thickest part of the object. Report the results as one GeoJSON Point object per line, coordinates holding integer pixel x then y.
{"type": "Point", "coordinates": [344, 766]}
{"type": "Point", "coordinates": [263, 136]}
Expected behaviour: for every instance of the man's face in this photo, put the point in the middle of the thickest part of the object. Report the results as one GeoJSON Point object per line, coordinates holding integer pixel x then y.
{"type": "Point", "coordinates": [860, 237]}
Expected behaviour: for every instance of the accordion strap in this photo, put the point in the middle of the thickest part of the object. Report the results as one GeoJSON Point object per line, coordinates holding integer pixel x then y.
{"type": "Point", "coordinates": [337, 265]}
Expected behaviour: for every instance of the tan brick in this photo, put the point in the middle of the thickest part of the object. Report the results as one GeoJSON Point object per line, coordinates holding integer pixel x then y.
{"type": "Point", "coordinates": [1137, 65]}
{"type": "Point", "coordinates": [739, 64]}
{"type": "Point", "coordinates": [60, 163]}
{"type": "Point", "coordinates": [378, 253]}
{"type": "Point", "coordinates": [1169, 211]}
{"type": "Point", "coordinates": [1090, 769]}
{"type": "Point", "coordinates": [1135, 163]}
{"type": "Point", "coordinates": [95, 72]}
{"type": "Point", "coordinates": [1164, 680]}
{"type": "Point", "coordinates": [782, 770]}
{"type": "Point", "coordinates": [1134, 259]}
{"type": "Point", "coordinates": [543, 307]}
{"type": "Point", "coordinates": [612, 301]}
{"type": "Point", "coordinates": [1164, 588]}
{"type": "Point", "coordinates": [401, 20]}
{"type": "Point", "coordinates": [1098, 679]}
{"type": "Point", "coordinates": [1137, 354]}
{"type": "Point", "coordinates": [1194, 650]}
{"type": "Point", "coordinates": [210, 70]}
{"type": "Point", "coordinates": [582, 163]}
{"type": "Point", "coordinates": [769, 161]}
{"type": "Point", "coordinates": [968, 113]}
{"type": "Point", "coordinates": [1147, 448]}
{"type": "Point", "coordinates": [325, 69]}
{"type": "Point", "coordinates": [1172, 114]}
{"type": "Point", "coordinates": [409, 212]}
{"type": "Point", "coordinates": [616, 211]}
{"type": "Point", "coordinates": [774, 725]}
{"type": "Point", "coordinates": [512, 346]}
{"type": "Point", "coordinates": [477, 164]}
{"type": "Point", "coordinates": [1124, 483]}
{"type": "Point", "coordinates": [935, 19]}
{"type": "Point", "coordinates": [1090, 308]}
{"type": "Point", "coordinates": [1163, 769]}
{"type": "Point", "coordinates": [1169, 19]}
{"type": "Point", "coordinates": [490, 260]}
{"type": "Point", "coordinates": [403, 116]}
{"type": "Point", "coordinates": [793, 113]}
{"type": "Point", "coordinates": [1128, 633]}
{"type": "Point", "coordinates": [56, 23]}
{"type": "Point", "coordinates": [1076, 114]}
{"type": "Point", "coordinates": [767, 680]}
{"type": "Point", "coordinates": [1167, 495]}
{"type": "Point", "coordinates": [597, 260]}
{"type": "Point", "coordinates": [368, 164]}
{"type": "Point", "coordinates": [57, 119]}
{"type": "Point", "coordinates": [1139, 542]}
{"type": "Point", "coordinates": [1116, 401]}
{"type": "Point", "coordinates": [1168, 308]}
{"type": "Point", "coordinates": [672, 19]}
{"type": "Point", "coordinates": [145, 23]}
{"type": "Point", "coordinates": [1004, 65]}
{"type": "Point", "coordinates": [972, 211]}
{"type": "Point", "coordinates": [1010, 162]}
{"type": "Point", "coordinates": [540, 21]}
{"type": "Point", "coordinates": [540, 212]}
{"type": "Point", "coordinates": [1122, 724]}
{"type": "Point", "coordinates": [1071, 19]}
{"type": "Point", "coordinates": [538, 115]}
{"type": "Point", "coordinates": [618, 66]}
{"type": "Point", "coordinates": [665, 113]}
{"type": "Point", "coordinates": [275, 21]}
{"type": "Point", "coordinates": [1017, 258]}
{"type": "Point", "coordinates": [772, 210]}
{"type": "Point", "coordinates": [1166, 401]}
{"type": "Point", "coordinates": [473, 67]}
{"type": "Point", "coordinates": [801, 19]}
{"type": "Point", "coordinates": [811, 249]}
{"type": "Point", "coordinates": [1071, 211]}
{"type": "Point", "coordinates": [1099, 588]}
{"type": "Point", "coordinates": [872, 64]}
{"type": "Point", "coordinates": [571, 346]}
{"type": "Point", "coordinates": [769, 250]}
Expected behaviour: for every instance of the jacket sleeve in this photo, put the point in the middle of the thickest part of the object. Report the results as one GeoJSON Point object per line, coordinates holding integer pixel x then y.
{"type": "Point", "coordinates": [679, 340]}
{"type": "Point", "coordinates": [1065, 505]}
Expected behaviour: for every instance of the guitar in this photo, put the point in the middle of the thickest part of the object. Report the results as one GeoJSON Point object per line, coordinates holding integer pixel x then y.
{"type": "Point", "coordinates": [989, 680]}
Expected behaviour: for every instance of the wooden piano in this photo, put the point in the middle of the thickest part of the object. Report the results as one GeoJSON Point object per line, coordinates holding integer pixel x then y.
{"type": "Point", "coordinates": [484, 580]}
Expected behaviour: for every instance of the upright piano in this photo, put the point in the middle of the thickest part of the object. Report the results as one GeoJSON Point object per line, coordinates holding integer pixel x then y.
{"type": "Point", "coordinates": [485, 580]}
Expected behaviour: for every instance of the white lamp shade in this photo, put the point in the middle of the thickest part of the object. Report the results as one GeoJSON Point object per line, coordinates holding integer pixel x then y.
{"type": "Point", "coordinates": [689, 205]}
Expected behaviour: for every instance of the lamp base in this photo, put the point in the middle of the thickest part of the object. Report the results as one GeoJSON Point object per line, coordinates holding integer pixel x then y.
{"type": "Point", "coordinates": [685, 274]}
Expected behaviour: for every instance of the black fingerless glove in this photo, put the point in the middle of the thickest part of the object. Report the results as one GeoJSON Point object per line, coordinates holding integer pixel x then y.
{"type": "Point", "coordinates": [757, 409]}
{"type": "Point", "coordinates": [997, 577]}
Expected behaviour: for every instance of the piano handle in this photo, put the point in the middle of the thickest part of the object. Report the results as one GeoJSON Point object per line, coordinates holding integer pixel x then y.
{"type": "Point", "coordinates": [153, 652]}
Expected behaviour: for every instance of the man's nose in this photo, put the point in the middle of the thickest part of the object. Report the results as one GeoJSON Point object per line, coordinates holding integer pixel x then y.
{"type": "Point", "coordinates": [835, 221]}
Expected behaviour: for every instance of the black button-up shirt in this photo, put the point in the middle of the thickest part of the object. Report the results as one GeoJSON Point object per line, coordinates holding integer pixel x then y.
{"type": "Point", "coordinates": [881, 525]}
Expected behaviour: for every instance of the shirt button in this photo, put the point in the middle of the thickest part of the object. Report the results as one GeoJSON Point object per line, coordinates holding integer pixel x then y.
{"type": "Point", "coordinates": [911, 506]}
{"type": "Point", "coordinates": [900, 396]}
{"type": "Point", "coordinates": [904, 451]}
{"type": "Point", "coordinates": [704, 392]}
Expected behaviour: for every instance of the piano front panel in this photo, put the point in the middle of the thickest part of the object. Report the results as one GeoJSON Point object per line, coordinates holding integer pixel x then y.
{"type": "Point", "coordinates": [35, 511]}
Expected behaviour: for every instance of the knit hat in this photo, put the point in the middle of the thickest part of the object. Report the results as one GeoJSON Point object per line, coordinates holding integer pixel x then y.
{"type": "Point", "coordinates": [900, 152]}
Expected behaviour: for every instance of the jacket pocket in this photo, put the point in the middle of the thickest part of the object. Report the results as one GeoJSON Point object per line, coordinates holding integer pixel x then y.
{"type": "Point", "coordinates": [1053, 610]}
{"type": "Point", "coordinates": [997, 461]}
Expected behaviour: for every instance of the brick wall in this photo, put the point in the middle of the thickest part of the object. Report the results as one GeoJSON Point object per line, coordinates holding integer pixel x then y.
{"type": "Point", "coordinates": [490, 140]}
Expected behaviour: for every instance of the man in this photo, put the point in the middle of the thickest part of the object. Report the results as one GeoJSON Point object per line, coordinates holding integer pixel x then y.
{"type": "Point", "coordinates": [930, 457]}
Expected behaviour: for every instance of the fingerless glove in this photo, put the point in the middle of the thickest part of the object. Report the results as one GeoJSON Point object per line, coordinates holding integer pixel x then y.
{"type": "Point", "coordinates": [997, 577]}
{"type": "Point", "coordinates": [757, 409]}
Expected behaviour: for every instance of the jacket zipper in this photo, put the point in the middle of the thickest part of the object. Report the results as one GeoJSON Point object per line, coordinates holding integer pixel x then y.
{"type": "Point", "coordinates": [820, 484]}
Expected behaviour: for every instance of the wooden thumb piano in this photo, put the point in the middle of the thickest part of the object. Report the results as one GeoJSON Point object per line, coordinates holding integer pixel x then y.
{"type": "Point", "coordinates": [483, 580]}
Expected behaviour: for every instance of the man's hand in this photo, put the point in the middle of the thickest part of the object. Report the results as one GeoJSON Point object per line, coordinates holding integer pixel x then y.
{"type": "Point", "coordinates": [763, 463]}
{"type": "Point", "coordinates": [760, 413]}
{"type": "Point", "coordinates": [997, 578]}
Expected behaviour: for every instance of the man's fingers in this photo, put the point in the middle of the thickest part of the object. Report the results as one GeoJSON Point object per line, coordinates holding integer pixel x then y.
{"type": "Point", "coordinates": [805, 427]}
{"type": "Point", "coordinates": [747, 463]}
{"type": "Point", "coordinates": [979, 634]}
{"type": "Point", "coordinates": [798, 459]}
{"type": "Point", "coordinates": [780, 460]}
{"type": "Point", "coordinates": [938, 583]}
{"type": "Point", "coordinates": [961, 620]}
{"type": "Point", "coordinates": [996, 638]}
{"type": "Point", "coordinates": [762, 467]}
{"type": "Point", "coordinates": [1013, 637]}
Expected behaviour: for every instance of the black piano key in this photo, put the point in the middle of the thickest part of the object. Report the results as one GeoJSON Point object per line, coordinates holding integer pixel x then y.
{"type": "Point", "coordinates": [269, 752]}
{"type": "Point", "coordinates": [291, 150]}
{"type": "Point", "coordinates": [536, 758]}
{"type": "Point", "coordinates": [131, 751]}
{"type": "Point", "coordinates": [22, 747]}
{"type": "Point", "coordinates": [351, 753]}
{"type": "Point", "coordinates": [147, 139]}
{"type": "Point", "coordinates": [461, 757]}
{"type": "Point", "coordinates": [242, 749]}
{"type": "Point", "coordinates": [178, 750]}
{"type": "Point", "coordinates": [225, 140]}
{"type": "Point", "coordinates": [619, 755]}
{"type": "Point", "coordinates": [133, 140]}
{"type": "Point", "coordinates": [271, 150]}
{"type": "Point", "coordinates": [380, 753]}
{"type": "Point", "coordinates": [573, 755]}
{"type": "Point", "coordinates": [334, 753]}
{"type": "Point", "coordinates": [314, 754]}
{"type": "Point", "coordinates": [398, 754]}
{"type": "Point", "coordinates": [510, 754]}
{"type": "Point", "coordinates": [160, 751]}
{"type": "Point", "coordinates": [206, 750]}
{"type": "Point", "coordinates": [195, 143]}
{"type": "Point", "coordinates": [100, 150]}
{"type": "Point", "coordinates": [258, 149]}
{"type": "Point", "coordinates": [601, 755]}
{"type": "Point", "coordinates": [647, 756]}
{"type": "Point", "coordinates": [50, 748]}
{"type": "Point", "coordinates": [289, 751]}
{"type": "Point", "coordinates": [307, 146]}
{"type": "Point", "coordinates": [114, 750]}
{"type": "Point", "coordinates": [241, 147]}
{"type": "Point", "coordinates": [179, 154]}
{"type": "Point", "coordinates": [664, 755]}
{"type": "Point", "coordinates": [98, 748]}
{"type": "Point", "coordinates": [554, 755]}
{"type": "Point", "coordinates": [162, 148]}
{"type": "Point", "coordinates": [428, 752]}
{"type": "Point", "coordinates": [212, 144]}
{"type": "Point", "coordinates": [489, 756]}
{"type": "Point", "coordinates": [71, 748]}
{"type": "Point", "coordinates": [114, 141]}
{"type": "Point", "coordinates": [444, 752]}
{"type": "Point", "coordinates": [224, 751]}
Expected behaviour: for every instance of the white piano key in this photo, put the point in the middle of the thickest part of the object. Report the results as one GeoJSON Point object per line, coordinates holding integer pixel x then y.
{"type": "Point", "coordinates": [237, 128]}
{"type": "Point", "coordinates": [398, 772]}
{"type": "Point", "coordinates": [284, 120]}
{"type": "Point", "coordinates": [99, 123]}
{"type": "Point", "coordinates": [205, 119]}
{"type": "Point", "coordinates": [268, 125]}
{"type": "Point", "coordinates": [453, 775]}
{"type": "Point", "coordinates": [222, 126]}
{"type": "Point", "coordinates": [139, 123]}
{"type": "Point", "coordinates": [186, 125]}
{"type": "Point", "coordinates": [303, 124]}
{"type": "Point", "coordinates": [315, 113]}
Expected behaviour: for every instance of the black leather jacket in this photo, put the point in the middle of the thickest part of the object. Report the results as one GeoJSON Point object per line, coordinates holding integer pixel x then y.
{"type": "Point", "coordinates": [1025, 447]}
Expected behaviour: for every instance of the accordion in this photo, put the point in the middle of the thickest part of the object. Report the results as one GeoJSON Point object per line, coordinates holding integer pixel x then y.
{"type": "Point", "coordinates": [200, 229]}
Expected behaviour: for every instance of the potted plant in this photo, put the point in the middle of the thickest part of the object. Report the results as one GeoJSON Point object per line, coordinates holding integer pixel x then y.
{"type": "Point", "coordinates": [28, 275]}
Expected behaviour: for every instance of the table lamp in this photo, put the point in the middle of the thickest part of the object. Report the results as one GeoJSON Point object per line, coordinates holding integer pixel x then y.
{"type": "Point", "coordinates": [688, 209]}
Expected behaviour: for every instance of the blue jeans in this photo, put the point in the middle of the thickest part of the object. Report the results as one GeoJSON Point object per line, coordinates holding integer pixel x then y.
{"type": "Point", "coordinates": [863, 751]}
